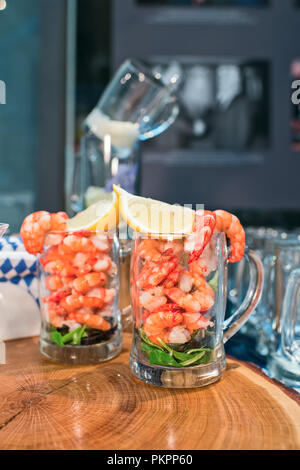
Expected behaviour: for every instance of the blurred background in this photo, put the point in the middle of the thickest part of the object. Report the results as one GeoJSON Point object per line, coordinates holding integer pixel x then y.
{"type": "Point", "coordinates": [236, 142]}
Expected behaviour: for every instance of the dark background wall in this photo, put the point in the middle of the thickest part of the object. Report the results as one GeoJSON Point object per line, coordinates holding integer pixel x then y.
{"type": "Point", "coordinates": [260, 181]}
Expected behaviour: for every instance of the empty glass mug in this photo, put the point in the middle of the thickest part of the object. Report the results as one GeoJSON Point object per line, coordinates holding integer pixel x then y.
{"type": "Point", "coordinates": [178, 311]}
{"type": "Point", "coordinates": [81, 321]}
{"type": "Point", "coordinates": [284, 361]}
{"type": "Point", "coordinates": [276, 254]}
{"type": "Point", "coordinates": [259, 329]}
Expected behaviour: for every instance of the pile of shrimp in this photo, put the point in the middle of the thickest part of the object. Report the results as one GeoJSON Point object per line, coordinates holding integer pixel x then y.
{"type": "Point", "coordinates": [78, 269]}
{"type": "Point", "coordinates": [172, 299]}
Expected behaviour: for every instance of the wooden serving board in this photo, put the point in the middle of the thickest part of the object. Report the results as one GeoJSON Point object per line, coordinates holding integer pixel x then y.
{"type": "Point", "coordinates": [49, 406]}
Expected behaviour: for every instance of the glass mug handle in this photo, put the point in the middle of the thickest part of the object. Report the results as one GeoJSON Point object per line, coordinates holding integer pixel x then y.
{"type": "Point", "coordinates": [268, 295]}
{"type": "Point", "coordinates": [288, 320]}
{"type": "Point", "coordinates": [254, 292]}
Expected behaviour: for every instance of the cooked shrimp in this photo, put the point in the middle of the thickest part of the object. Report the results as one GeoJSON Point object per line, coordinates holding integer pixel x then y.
{"type": "Point", "coordinates": [186, 281]}
{"type": "Point", "coordinates": [84, 283]}
{"type": "Point", "coordinates": [183, 300]}
{"type": "Point", "coordinates": [198, 301]}
{"type": "Point", "coordinates": [37, 225]}
{"type": "Point", "coordinates": [206, 299]}
{"type": "Point", "coordinates": [84, 262]}
{"type": "Point", "coordinates": [148, 249]}
{"type": "Point", "coordinates": [103, 263]}
{"type": "Point", "coordinates": [179, 335]}
{"type": "Point", "coordinates": [91, 302]}
{"type": "Point", "coordinates": [101, 242]}
{"type": "Point", "coordinates": [68, 280]}
{"type": "Point", "coordinates": [231, 226]}
{"type": "Point", "coordinates": [91, 320]}
{"type": "Point", "coordinates": [51, 254]}
{"type": "Point", "coordinates": [104, 296]}
{"type": "Point", "coordinates": [56, 309]}
{"type": "Point", "coordinates": [205, 222]}
{"type": "Point", "coordinates": [204, 292]}
{"type": "Point", "coordinates": [58, 221]}
{"type": "Point", "coordinates": [172, 278]}
{"type": "Point", "coordinates": [58, 295]}
{"type": "Point", "coordinates": [207, 262]}
{"type": "Point", "coordinates": [54, 239]}
{"type": "Point", "coordinates": [152, 298]}
{"type": "Point", "coordinates": [56, 320]}
{"type": "Point", "coordinates": [77, 243]}
{"type": "Point", "coordinates": [54, 282]}
{"type": "Point", "coordinates": [71, 302]}
{"type": "Point", "coordinates": [174, 247]}
{"type": "Point", "coordinates": [106, 311]}
{"type": "Point", "coordinates": [93, 299]}
{"type": "Point", "coordinates": [152, 274]}
{"type": "Point", "coordinates": [109, 295]}
{"type": "Point", "coordinates": [158, 324]}
{"type": "Point", "coordinates": [195, 321]}
{"type": "Point", "coordinates": [60, 267]}
{"type": "Point", "coordinates": [152, 249]}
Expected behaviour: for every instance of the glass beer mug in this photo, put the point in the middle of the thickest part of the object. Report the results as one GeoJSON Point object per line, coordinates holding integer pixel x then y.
{"type": "Point", "coordinates": [136, 106]}
{"type": "Point", "coordinates": [178, 310]}
{"type": "Point", "coordinates": [284, 361]}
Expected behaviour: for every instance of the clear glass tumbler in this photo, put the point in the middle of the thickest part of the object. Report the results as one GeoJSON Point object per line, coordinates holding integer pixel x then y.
{"type": "Point", "coordinates": [79, 273]}
{"type": "Point", "coordinates": [178, 310]}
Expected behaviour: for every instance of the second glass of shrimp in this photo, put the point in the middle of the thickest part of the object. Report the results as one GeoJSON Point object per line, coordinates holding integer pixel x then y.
{"type": "Point", "coordinates": [178, 298]}
{"type": "Point", "coordinates": [81, 322]}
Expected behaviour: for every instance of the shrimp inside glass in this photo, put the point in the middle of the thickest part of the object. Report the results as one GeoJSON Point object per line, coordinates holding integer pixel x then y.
{"type": "Point", "coordinates": [80, 280]}
{"type": "Point", "coordinates": [171, 299]}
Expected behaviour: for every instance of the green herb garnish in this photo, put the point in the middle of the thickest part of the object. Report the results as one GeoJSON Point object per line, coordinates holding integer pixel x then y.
{"type": "Point", "coordinates": [166, 356]}
{"type": "Point", "coordinates": [73, 336]}
{"type": "Point", "coordinates": [163, 358]}
{"type": "Point", "coordinates": [56, 337]}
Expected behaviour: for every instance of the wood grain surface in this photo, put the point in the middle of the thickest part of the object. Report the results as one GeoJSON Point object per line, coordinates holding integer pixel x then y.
{"type": "Point", "coordinates": [49, 406]}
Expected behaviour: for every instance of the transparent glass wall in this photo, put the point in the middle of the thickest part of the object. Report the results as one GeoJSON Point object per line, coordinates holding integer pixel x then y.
{"type": "Point", "coordinates": [19, 70]}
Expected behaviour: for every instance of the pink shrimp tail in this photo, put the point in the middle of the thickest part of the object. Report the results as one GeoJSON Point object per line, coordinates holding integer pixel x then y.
{"type": "Point", "coordinates": [205, 222]}
{"type": "Point", "coordinates": [35, 226]}
{"type": "Point", "coordinates": [234, 231]}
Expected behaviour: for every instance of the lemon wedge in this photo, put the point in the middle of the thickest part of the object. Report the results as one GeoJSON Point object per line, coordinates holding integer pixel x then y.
{"type": "Point", "coordinates": [151, 216]}
{"type": "Point", "coordinates": [100, 216]}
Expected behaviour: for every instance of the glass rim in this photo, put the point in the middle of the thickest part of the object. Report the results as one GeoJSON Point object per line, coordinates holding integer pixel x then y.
{"type": "Point", "coordinates": [138, 65]}
{"type": "Point", "coordinates": [169, 235]}
{"type": "Point", "coordinates": [291, 239]}
{"type": "Point", "coordinates": [288, 245]}
{"type": "Point", "coordinates": [77, 232]}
